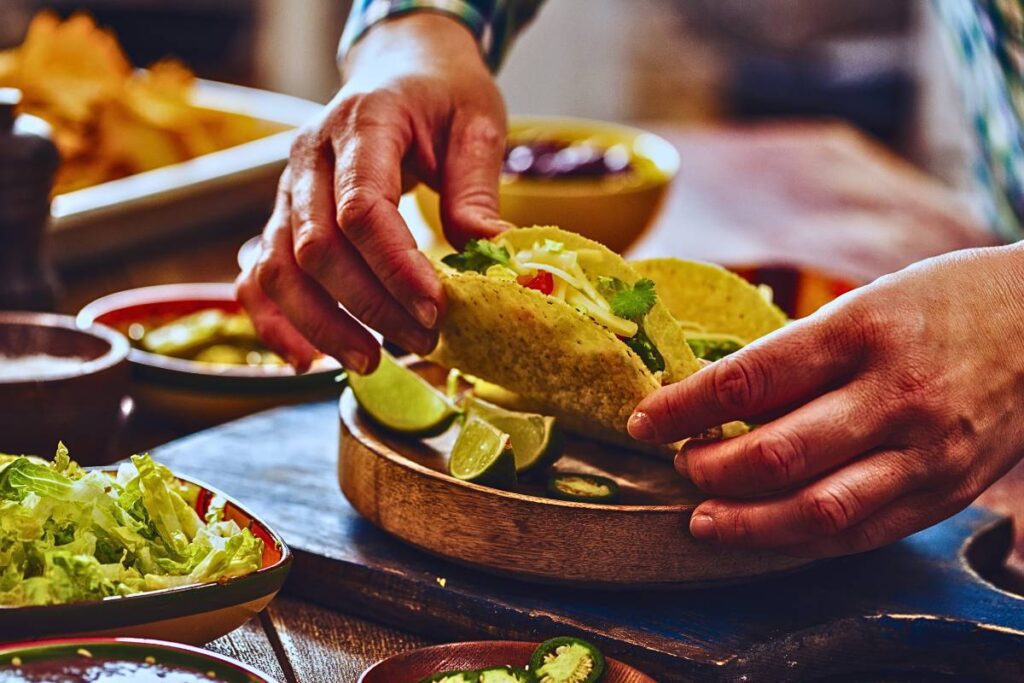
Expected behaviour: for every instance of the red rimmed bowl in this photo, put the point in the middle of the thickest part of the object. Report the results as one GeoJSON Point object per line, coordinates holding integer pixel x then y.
{"type": "Point", "coordinates": [415, 665]}
{"type": "Point", "coordinates": [194, 393]}
{"type": "Point", "coordinates": [193, 614]}
{"type": "Point", "coordinates": [51, 660]}
{"type": "Point", "coordinates": [77, 401]}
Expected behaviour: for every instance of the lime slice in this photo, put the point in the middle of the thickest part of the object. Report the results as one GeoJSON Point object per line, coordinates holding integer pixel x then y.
{"type": "Point", "coordinates": [483, 454]}
{"type": "Point", "coordinates": [536, 440]}
{"type": "Point", "coordinates": [398, 399]}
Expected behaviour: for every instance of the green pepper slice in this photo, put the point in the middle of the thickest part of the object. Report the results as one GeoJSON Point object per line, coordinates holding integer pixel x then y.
{"type": "Point", "coordinates": [567, 660]}
{"type": "Point", "coordinates": [583, 488]}
{"type": "Point", "coordinates": [453, 677]}
{"type": "Point", "coordinates": [506, 674]}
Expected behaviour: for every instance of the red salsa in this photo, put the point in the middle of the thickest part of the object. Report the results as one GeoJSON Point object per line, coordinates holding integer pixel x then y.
{"type": "Point", "coordinates": [551, 159]}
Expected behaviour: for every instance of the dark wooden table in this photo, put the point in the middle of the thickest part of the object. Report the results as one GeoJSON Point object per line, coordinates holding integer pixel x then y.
{"type": "Point", "coordinates": [818, 195]}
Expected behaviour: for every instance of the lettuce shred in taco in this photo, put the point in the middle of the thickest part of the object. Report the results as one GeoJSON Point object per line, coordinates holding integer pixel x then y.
{"type": "Point", "coordinates": [563, 325]}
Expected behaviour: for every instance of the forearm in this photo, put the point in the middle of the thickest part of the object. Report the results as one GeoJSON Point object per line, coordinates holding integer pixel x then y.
{"type": "Point", "coordinates": [493, 23]}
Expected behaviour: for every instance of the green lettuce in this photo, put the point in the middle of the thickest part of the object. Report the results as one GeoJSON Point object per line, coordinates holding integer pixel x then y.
{"type": "Point", "coordinates": [69, 534]}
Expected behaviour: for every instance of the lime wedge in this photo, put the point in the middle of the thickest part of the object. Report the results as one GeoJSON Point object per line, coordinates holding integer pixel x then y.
{"type": "Point", "coordinates": [536, 440]}
{"type": "Point", "coordinates": [483, 454]}
{"type": "Point", "coordinates": [397, 398]}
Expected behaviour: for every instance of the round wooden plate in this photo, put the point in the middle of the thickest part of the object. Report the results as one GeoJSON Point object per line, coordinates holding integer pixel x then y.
{"type": "Point", "coordinates": [402, 486]}
{"type": "Point", "coordinates": [412, 666]}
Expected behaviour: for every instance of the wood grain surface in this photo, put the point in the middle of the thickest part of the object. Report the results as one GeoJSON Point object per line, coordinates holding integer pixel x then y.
{"type": "Point", "coordinates": [641, 543]}
{"type": "Point", "coordinates": [817, 194]}
{"type": "Point", "coordinates": [828, 618]}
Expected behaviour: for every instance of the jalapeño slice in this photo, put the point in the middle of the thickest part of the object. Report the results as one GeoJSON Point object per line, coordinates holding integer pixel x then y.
{"type": "Point", "coordinates": [453, 677]}
{"type": "Point", "coordinates": [583, 488]}
{"type": "Point", "coordinates": [506, 674]}
{"type": "Point", "coordinates": [567, 660]}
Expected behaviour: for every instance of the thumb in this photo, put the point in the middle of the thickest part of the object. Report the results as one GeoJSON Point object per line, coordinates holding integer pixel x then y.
{"type": "Point", "coordinates": [469, 182]}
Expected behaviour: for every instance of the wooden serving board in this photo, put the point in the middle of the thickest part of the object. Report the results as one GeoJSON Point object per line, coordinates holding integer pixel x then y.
{"type": "Point", "coordinates": [916, 610]}
{"type": "Point", "coordinates": [643, 541]}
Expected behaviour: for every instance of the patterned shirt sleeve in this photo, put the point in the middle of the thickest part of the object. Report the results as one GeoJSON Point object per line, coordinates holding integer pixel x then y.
{"type": "Point", "coordinates": [986, 38]}
{"type": "Point", "coordinates": [494, 23]}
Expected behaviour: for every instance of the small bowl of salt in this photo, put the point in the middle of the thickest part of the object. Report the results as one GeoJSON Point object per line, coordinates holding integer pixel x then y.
{"type": "Point", "coordinates": [60, 382]}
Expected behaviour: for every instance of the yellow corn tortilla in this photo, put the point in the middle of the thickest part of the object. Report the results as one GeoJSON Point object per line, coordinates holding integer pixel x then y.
{"type": "Point", "coordinates": [550, 355]}
{"type": "Point", "coordinates": [711, 298]}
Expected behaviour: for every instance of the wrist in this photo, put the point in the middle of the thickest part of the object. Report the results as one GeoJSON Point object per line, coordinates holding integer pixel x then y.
{"type": "Point", "coordinates": [419, 38]}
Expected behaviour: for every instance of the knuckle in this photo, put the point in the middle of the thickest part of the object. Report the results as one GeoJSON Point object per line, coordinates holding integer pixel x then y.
{"type": "Point", "coordinates": [828, 511]}
{"type": "Point", "coordinates": [738, 526]}
{"type": "Point", "coordinates": [396, 268]}
{"type": "Point", "coordinates": [372, 310]}
{"type": "Point", "coordinates": [355, 209]}
{"type": "Point", "coordinates": [672, 405]}
{"type": "Point", "coordinates": [312, 247]}
{"type": "Point", "coordinates": [866, 536]}
{"type": "Point", "coordinates": [306, 139]}
{"type": "Point", "coordinates": [697, 469]}
{"type": "Point", "coordinates": [270, 273]}
{"type": "Point", "coordinates": [780, 456]}
{"type": "Point", "coordinates": [485, 133]}
{"type": "Point", "coordinates": [367, 108]}
{"type": "Point", "coordinates": [735, 383]}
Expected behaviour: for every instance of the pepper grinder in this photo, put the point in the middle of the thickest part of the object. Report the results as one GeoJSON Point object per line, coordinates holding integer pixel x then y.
{"type": "Point", "coordinates": [28, 162]}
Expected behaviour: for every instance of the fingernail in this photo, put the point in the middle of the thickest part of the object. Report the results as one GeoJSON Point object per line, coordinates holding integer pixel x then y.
{"type": "Point", "coordinates": [702, 527]}
{"type": "Point", "coordinates": [640, 427]}
{"type": "Point", "coordinates": [498, 225]}
{"type": "Point", "coordinates": [426, 312]}
{"type": "Point", "coordinates": [357, 362]}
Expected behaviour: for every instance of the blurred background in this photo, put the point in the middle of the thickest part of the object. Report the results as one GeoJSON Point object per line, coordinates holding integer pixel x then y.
{"type": "Point", "coordinates": [876, 63]}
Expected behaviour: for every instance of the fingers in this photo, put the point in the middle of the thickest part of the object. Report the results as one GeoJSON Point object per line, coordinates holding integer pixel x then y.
{"type": "Point", "coordinates": [791, 450]}
{"type": "Point", "coordinates": [323, 252]}
{"type": "Point", "coordinates": [271, 325]}
{"type": "Point", "coordinates": [311, 310]}
{"type": "Point", "coordinates": [825, 509]}
{"type": "Point", "coordinates": [906, 516]}
{"type": "Point", "coordinates": [789, 366]}
{"type": "Point", "coordinates": [367, 187]}
{"type": "Point", "coordinates": [469, 183]}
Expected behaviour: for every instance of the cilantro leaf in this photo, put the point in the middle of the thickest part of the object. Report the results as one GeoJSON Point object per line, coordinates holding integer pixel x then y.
{"type": "Point", "coordinates": [479, 255]}
{"type": "Point", "coordinates": [631, 303]}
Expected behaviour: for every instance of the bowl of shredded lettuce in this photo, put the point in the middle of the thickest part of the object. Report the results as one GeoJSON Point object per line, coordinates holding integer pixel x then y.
{"type": "Point", "coordinates": [115, 551]}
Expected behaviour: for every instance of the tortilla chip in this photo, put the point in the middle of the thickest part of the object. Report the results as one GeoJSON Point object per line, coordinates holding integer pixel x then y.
{"type": "Point", "coordinates": [709, 298]}
{"type": "Point", "coordinates": [550, 354]}
{"type": "Point", "coordinates": [108, 119]}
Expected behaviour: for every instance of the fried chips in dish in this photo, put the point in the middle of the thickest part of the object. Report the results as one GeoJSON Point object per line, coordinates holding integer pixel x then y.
{"type": "Point", "coordinates": [110, 120]}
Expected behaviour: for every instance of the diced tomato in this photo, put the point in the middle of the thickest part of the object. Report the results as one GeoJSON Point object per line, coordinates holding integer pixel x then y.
{"type": "Point", "coordinates": [543, 281]}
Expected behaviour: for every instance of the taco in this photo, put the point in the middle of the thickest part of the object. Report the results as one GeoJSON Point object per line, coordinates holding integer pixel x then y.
{"type": "Point", "coordinates": [562, 324]}
{"type": "Point", "coordinates": [718, 311]}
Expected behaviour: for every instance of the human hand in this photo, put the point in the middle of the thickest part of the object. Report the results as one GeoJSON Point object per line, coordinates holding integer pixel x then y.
{"type": "Point", "coordinates": [885, 412]}
{"type": "Point", "coordinates": [418, 105]}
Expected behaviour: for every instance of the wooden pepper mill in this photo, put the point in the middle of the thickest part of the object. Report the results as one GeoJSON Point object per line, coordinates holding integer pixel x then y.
{"type": "Point", "coordinates": [28, 161]}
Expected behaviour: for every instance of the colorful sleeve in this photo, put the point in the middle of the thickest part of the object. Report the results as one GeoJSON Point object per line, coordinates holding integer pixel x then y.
{"type": "Point", "coordinates": [985, 38]}
{"type": "Point", "coordinates": [494, 23]}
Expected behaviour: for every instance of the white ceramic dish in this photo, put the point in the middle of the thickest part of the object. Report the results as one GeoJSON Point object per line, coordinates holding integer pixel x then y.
{"type": "Point", "coordinates": [100, 220]}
